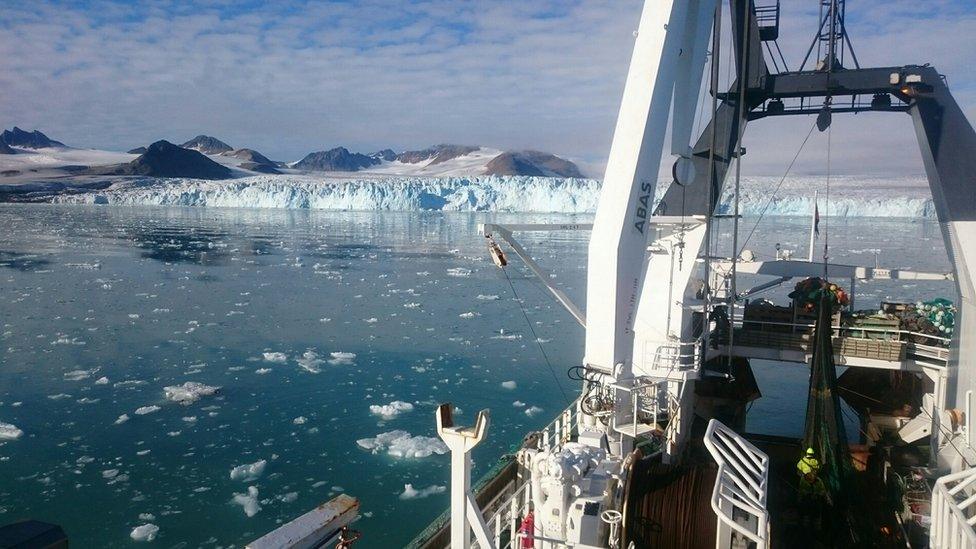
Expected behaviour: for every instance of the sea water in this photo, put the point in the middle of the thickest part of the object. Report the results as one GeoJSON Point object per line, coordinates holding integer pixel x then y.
{"type": "Point", "coordinates": [316, 346]}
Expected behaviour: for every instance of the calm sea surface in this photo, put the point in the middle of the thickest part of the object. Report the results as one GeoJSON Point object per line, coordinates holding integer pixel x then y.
{"type": "Point", "coordinates": [320, 329]}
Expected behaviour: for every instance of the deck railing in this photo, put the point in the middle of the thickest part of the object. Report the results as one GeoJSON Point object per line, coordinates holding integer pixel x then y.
{"type": "Point", "coordinates": [740, 486]}
{"type": "Point", "coordinates": [954, 511]}
{"type": "Point", "coordinates": [938, 352]}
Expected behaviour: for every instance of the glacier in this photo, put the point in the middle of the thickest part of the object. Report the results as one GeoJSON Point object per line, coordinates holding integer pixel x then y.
{"type": "Point", "coordinates": [848, 196]}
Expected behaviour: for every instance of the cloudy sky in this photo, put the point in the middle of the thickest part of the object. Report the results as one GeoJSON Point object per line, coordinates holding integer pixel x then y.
{"type": "Point", "coordinates": [294, 76]}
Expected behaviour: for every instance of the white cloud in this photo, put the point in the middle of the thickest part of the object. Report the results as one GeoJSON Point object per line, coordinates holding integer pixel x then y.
{"type": "Point", "coordinates": [289, 79]}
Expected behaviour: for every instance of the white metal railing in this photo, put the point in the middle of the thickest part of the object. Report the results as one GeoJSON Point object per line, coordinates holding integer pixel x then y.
{"type": "Point", "coordinates": [504, 516]}
{"type": "Point", "coordinates": [739, 496]}
{"type": "Point", "coordinates": [740, 321]}
{"type": "Point", "coordinates": [677, 356]}
{"type": "Point", "coordinates": [954, 511]}
{"type": "Point", "coordinates": [560, 430]}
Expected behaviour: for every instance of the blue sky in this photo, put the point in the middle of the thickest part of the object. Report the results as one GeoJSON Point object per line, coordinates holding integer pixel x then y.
{"type": "Point", "coordinates": [290, 77]}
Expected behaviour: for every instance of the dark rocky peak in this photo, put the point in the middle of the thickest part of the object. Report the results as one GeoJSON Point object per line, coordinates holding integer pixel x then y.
{"type": "Point", "coordinates": [29, 140]}
{"type": "Point", "coordinates": [338, 159]}
{"type": "Point", "coordinates": [436, 154]}
{"type": "Point", "coordinates": [207, 145]}
{"type": "Point", "coordinates": [164, 159]}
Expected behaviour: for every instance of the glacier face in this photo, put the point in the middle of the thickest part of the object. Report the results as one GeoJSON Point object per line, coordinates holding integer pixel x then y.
{"type": "Point", "coordinates": [848, 196]}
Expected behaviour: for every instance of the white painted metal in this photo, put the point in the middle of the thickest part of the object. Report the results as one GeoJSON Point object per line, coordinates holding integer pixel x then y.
{"type": "Point", "coordinates": [796, 269]}
{"type": "Point", "coordinates": [813, 226]}
{"type": "Point", "coordinates": [315, 528]}
{"type": "Point", "coordinates": [741, 486]}
{"type": "Point", "coordinates": [465, 516]}
{"type": "Point", "coordinates": [620, 230]}
{"type": "Point", "coordinates": [688, 78]}
{"type": "Point", "coordinates": [953, 503]}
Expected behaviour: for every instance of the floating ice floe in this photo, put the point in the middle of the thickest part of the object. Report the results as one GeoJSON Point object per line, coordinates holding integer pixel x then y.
{"type": "Point", "coordinates": [490, 297]}
{"type": "Point", "coordinates": [409, 492]}
{"type": "Point", "coordinates": [310, 361]}
{"type": "Point", "coordinates": [78, 375]}
{"type": "Point", "coordinates": [143, 410]}
{"type": "Point", "coordinates": [532, 411]}
{"type": "Point", "coordinates": [300, 420]}
{"type": "Point", "coordinates": [146, 532]}
{"type": "Point", "coordinates": [189, 392]}
{"type": "Point", "coordinates": [402, 444]}
{"type": "Point", "coordinates": [340, 358]}
{"type": "Point", "coordinates": [509, 385]}
{"type": "Point", "coordinates": [249, 471]}
{"type": "Point", "coordinates": [468, 314]}
{"type": "Point", "coordinates": [459, 272]}
{"type": "Point", "coordinates": [391, 410]}
{"type": "Point", "coordinates": [262, 371]}
{"type": "Point", "coordinates": [276, 357]}
{"type": "Point", "coordinates": [101, 381]}
{"type": "Point", "coordinates": [248, 501]}
{"type": "Point", "coordinates": [518, 404]}
{"type": "Point", "coordinates": [122, 419]}
{"type": "Point", "coordinates": [9, 431]}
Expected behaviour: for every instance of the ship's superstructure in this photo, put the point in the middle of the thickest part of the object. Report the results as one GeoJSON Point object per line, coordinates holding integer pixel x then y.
{"type": "Point", "coordinates": [654, 452]}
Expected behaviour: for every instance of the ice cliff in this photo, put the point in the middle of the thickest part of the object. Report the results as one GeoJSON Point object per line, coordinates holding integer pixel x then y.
{"type": "Point", "coordinates": [848, 196]}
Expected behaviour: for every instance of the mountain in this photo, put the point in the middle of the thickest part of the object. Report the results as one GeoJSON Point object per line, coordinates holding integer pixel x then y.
{"type": "Point", "coordinates": [30, 140]}
{"type": "Point", "coordinates": [250, 155]}
{"type": "Point", "coordinates": [531, 163]}
{"type": "Point", "coordinates": [436, 154]}
{"type": "Point", "coordinates": [338, 159]}
{"type": "Point", "coordinates": [137, 150]}
{"type": "Point", "coordinates": [207, 145]}
{"type": "Point", "coordinates": [385, 154]}
{"type": "Point", "coordinates": [5, 149]}
{"type": "Point", "coordinates": [164, 159]}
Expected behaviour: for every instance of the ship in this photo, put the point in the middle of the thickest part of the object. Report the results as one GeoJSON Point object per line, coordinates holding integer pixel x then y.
{"type": "Point", "coordinates": [654, 451]}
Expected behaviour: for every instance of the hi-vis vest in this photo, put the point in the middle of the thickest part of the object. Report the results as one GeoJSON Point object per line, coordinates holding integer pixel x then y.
{"type": "Point", "coordinates": [808, 465]}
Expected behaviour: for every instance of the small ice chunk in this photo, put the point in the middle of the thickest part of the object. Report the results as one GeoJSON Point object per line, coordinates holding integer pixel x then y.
{"type": "Point", "coordinates": [78, 375]}
{"type": "Point", "coordinates": [532, 411]}
{"type": "Point", "coordinates": [391, 410]}
{"type": "Point", "coordinates": [249, 471]}
{"type": "Point", "coordinates": [112, 473]}
{"type": "Point", "coordinates": [262, 371]}
{"type": "Point", "coordinates": [402, 444]}
{"type": "Point", "coordinates": [310, 361]}
{"type": "Point", "coordinates": [409, 492]}
{"type": "Point", "coordinates": [459, 271]}
{"type": "Point", "coordinates": [300, 420]}
{"type": "Point", "coordinates": [143, 410]}
{"type": "Point", "coordinates": [484, 297]}
{"type": "Point", "coordinates": [276, 357]}
{"type": "Point", "coordinates": [101, 381]}
{"type": "Point", "coordinates": [509, 385]}
{"type": "Point", "coordinates": [341, 358]}
{"type": "Point", "coordinates": [467, 315]}
{"type": "Point", "coordinates": [518, 404]}
{"type": "Point", "coordinates": [122, 419]}
{"type": "Point", "coordinates": [145, 532]}
{"type": "Point", "coordinates": [9, 431]}
{"type": "Point", "coordinates": [248, 501]}
{"type": "Point", "coordinates": [189, 392]}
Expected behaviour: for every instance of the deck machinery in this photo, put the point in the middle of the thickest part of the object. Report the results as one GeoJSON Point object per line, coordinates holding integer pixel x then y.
{"type": "Point", "coordinates": [653, 452]}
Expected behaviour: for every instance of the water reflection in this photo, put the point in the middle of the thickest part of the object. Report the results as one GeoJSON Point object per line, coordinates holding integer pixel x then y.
{"type": "Point", "coordinates": [23, 262]}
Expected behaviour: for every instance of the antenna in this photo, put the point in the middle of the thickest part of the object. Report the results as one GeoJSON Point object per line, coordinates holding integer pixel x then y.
{"type": "Point", "coordinates": [831, 40]}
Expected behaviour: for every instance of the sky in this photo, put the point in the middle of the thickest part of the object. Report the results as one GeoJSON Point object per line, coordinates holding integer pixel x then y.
{"type": "Point", "coordinates": [290, 77]}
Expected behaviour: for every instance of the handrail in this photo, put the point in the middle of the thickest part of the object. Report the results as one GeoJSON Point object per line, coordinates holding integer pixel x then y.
{"type": "Point", "coordinates": [742, 321]}
{"type": "Point", "coordinates": [741, 484]}
{"type": "Point", "coordinates": [951, 527]}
